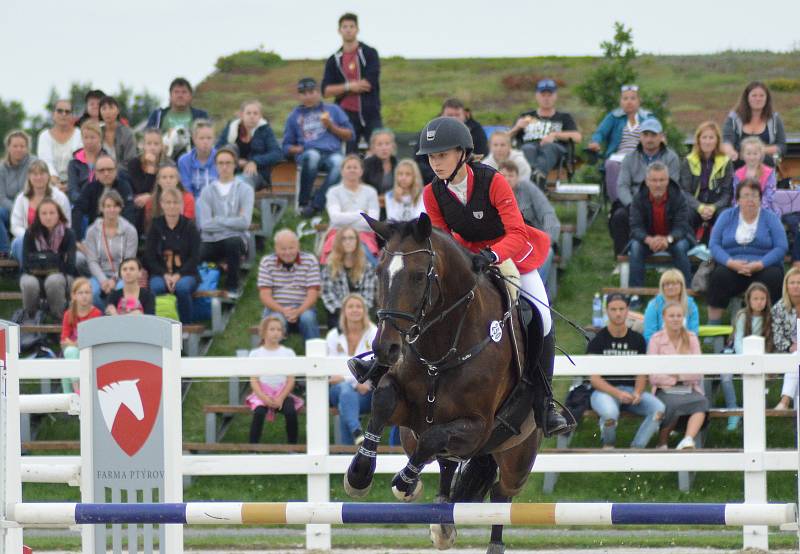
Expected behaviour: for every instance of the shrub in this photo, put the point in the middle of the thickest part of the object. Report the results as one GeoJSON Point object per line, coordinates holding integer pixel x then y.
{"type": "Point", "coordinates": [249, 60]}
{"type": "Point", "coordinates": [784, 85]}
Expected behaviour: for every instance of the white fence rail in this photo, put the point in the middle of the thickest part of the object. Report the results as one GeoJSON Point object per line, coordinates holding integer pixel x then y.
{"type": "Point", "coordinates": [754, 460]}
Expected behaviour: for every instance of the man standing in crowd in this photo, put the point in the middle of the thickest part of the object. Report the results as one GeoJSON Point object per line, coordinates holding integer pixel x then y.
{"type": "Point", "coordinates": [289, 282]}
{"type": "Point", "coordinates": [180, 113]}
{"type": "Point", "coordinates": [652, 148]}
{"type": "Point", "coordinates": [313, 135]}
{"type": "Point", "coordinates": [612, 394]}
{"type": "Point", "coordinates": [659, 223]}
{"type": "Point", "coordinates": [352, 77]}
{"type": "Point", "coordinates": [544, 133]}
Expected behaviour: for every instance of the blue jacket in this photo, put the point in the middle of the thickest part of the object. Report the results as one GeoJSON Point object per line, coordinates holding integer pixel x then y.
{"type": "Point", "coordinates": [769, 245]}
{"type": "Point", "coordinates": [370, 70]}
{"type": "Point", "coordinates": [154, 121]}
{"type": "Point", "coordinates": [653, 321]}
{"type": "Point", "coordinates": [303, 127]}
{"type": "Point", "coordinates": [264, 148]}
{"type": "Point", "coordinates": [194, 175]}
{"type": "Point", "coordinates": [610, 129]}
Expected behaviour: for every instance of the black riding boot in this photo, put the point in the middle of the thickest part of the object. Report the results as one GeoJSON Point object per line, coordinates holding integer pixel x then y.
{"type": "Point", "coordinates": [545, 409]}
{"type": "Point", "coordinates": [367, 370]}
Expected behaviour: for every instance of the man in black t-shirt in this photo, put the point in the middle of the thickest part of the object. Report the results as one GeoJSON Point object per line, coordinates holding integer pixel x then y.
{"type": "Point", "coordinates": [543, 134]}
{"type": "Point", "coordinates": [612, 394]}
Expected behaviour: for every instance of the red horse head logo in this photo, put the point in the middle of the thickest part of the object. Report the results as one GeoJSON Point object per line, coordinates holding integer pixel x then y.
{"type": "Point", "coordinates": [129, 394]}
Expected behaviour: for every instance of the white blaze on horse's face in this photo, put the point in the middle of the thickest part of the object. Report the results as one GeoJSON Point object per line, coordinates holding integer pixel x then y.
{"type": "Point", "coordinates": [395, 267]}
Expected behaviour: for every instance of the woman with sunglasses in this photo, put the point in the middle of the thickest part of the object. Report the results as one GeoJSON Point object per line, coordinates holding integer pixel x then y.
{"type": "Point", "coordinates": [57, 144]}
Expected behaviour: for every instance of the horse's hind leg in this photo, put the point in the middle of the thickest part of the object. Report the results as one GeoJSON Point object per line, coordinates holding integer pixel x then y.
{"type": "Point", "coordinates": [443, 536]}
{"type": "Point", "coordinates": [358, 479]}
{"type": "Point", "coordinates": [496, 545]}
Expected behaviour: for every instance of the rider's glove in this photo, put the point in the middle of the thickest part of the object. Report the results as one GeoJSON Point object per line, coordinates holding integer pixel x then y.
{"type": "Point", "coordinates": [483, 259]}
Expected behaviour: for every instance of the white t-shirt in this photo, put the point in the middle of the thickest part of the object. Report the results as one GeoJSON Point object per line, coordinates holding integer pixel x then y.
{"type": "Point", "coordinates": [274, 381]}
{"type": "Point", "coordinates": [460, 190]}
{"type": "Point", "coordinates": [224, 188]}
{"type": "Point", "coordinates": [746, 232]}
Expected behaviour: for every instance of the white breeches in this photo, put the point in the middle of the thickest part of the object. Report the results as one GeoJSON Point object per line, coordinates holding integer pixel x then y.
{"type": "Point", "coordinates": [533, 285]}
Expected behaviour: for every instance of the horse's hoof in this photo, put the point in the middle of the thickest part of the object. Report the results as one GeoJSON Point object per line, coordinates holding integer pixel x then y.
{"type": "Point", "coordinates": [401, 495]}
{"type": "Point", "coordinates": [353, 492]}
{"type": "Point", "coordinates": [496, 548]}
{"type": "Point", "coordinates": [443, 537]}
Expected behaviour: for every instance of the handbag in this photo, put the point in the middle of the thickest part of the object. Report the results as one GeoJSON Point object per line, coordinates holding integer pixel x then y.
{"type": "Point", "coordinates": [167, 306]}
{"type": "Point", "coordinates": [42, 264]}
{"type": "Point", "coordinates": [702, 277]}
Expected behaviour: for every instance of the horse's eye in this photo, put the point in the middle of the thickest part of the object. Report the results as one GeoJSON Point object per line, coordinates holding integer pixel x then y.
{"type": "Point", "coordinates": [419, 276]}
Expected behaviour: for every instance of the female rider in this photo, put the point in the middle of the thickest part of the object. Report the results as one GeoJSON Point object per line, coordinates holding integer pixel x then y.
{"type": "Point", "coordinates": [476, 205]}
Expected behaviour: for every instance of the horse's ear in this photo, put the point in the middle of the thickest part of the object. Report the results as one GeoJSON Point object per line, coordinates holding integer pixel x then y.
{"type": "Point", "coordinates": [422, 228]}
{"type": "Point", "coordinates": [381, 228]}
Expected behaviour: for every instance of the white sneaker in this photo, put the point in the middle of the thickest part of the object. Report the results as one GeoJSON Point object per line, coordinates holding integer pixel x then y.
{"type": "Point", "coordinates": [687, 443]}
{"type": "Point", "coordinates": [781, 406]}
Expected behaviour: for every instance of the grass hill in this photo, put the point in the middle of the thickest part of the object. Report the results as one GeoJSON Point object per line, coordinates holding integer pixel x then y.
{"type": "Point", "coordinates": [497, 89]}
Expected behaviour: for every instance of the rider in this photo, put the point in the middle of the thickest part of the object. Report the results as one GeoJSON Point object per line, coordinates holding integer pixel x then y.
{"type": "Point", "coordinates": [476, 205]}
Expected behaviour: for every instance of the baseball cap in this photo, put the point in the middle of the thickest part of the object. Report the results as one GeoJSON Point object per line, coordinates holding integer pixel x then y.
{"type": "Point", "coordinates": [306, 83]}
{"type": "Point", "coordinates": [651, 125]}
{"type": "Point", "coordinates": [546, 85]}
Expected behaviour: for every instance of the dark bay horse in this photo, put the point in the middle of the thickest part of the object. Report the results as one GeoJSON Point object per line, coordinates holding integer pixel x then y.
{"type": "Point", "coordinates": [446, 334]}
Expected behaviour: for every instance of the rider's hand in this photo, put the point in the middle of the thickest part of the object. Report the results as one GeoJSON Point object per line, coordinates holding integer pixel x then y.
{"type": "Point", "coordinates": [482, 260]}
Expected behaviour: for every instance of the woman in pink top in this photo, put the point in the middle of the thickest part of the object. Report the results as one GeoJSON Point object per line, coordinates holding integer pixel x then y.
{"type": "Point", "coordinates": [682, 394]}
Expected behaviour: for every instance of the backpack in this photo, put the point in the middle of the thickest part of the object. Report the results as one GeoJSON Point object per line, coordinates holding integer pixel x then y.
{"type": "Point", "coordinates": [29, 341]}
{"type": "Point", "coordinates": [209, 280]}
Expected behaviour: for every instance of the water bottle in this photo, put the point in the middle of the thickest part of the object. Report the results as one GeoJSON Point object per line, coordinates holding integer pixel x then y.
{"type": "Point", "coordinates": [597, 311]}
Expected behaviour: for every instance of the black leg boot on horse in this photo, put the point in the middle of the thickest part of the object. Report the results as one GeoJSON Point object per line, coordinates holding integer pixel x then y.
{"type": "Point", "coordinates": [540, 372]}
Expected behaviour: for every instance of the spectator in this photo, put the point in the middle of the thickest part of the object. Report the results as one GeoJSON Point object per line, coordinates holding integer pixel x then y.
{"type": "Point", "coordinates": [754, 319]}
{"type": "Point", "coordinates": [256, 144]}
{"type": "Point", "coordinates": [453, 107]}
{"type": "Point", "coordinates": [754, 168]}
{"type": "Point", "coordinates": [224, 214]}
{"type": "Point", "coordinates": [37, 188]}
{"type": "Point", "coordinates": [172, 253]}
{"type": "Point", "coordinates": [118, 139]}
{"type": "Point", "coordinates": [131, 299]}
{"type": "Point", "coordinates": [545, 133]}
{"type": "Point", "coordinates": [81, 167]}
{"type": "Point", "coordinates": [671, 288]}
{"type": "Point", "coordinates": [748, 244]}
{"type": "Point", "coordinates": [142, 171]}
{"type": "Point", "coordinates": [784, 331]}
{"type": "Point", "coordinates": [754, 117]}
{"type": "Point", "coordinates": [289, 283]}
{"type": "Point", "coordinates": [352, 77]}
{"type": "Point", "coordinates": [180, 113]}
{"type": "Point", "coordinates": [612, 394]}
{"type": "Point", "coordinates": [404, 201]}
{"type": "Point", "coordinates": [346, 202]}
{"type": "Point", "coordinates": [57, 144]}
{"type": "Point", "coordinates": [197, 167]}
{"type": "Point", "coordinates": [13, 173]}
{"type": "Point", "coordinates": [659, 222]}
{"type": "Point", "coordinates": [272, 393]}
{"type": "Point", "coordinates": [48, 260]}
{"type": "Point", "coordinates": [91, 107]}
{"type": "Point", "coordinates": [536, 211]}
{"type": "Point", "coordinates": [314, 134]}
{"type": "Point", "coordinates": [347, 271]}
{"type": "Point", "coordinates": [168, 178]}
{"type": "Point", "coordinates": [381, 162]}
{"type": "Point", "coordinates": [346, 394]}
{"type": "Point", "coordinates": [682, 394]}
{"type": "Point", "coordinates": [500, 150]}
{"type": "Point", "coordinates": [88, 203]}
{"type": "Point", "coordinates": [620, 131]}
{"type": "Point", "coordinates": [80, 309]}
{"type": "Point", "coordinates": [632, 175]}
{"type": "Point", "coordinates": [706, 177]}
{"type": "Point", "coordinates": [109, 240]}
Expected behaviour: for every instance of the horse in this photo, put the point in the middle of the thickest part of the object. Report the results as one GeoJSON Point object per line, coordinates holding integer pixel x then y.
{"type": "Point", "coordinates": [453, 345]}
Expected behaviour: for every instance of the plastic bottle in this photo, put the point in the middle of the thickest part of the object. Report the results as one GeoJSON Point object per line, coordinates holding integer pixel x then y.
{"type": "Point", "coordinates": [597, 311]}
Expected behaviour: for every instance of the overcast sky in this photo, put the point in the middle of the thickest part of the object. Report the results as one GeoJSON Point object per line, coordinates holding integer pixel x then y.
{"type": "Point", "coordinates": [145, 43]}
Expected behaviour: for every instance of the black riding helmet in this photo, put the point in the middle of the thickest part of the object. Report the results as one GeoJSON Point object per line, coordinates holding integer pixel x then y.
{"type": "Point", "coordinates": [445, 133]}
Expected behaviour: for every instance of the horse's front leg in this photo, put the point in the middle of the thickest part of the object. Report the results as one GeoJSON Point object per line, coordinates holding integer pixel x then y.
{"type": "Point", "coordinates": [358, 479]}
{"type": "Point", "coordinates": [443, 536]}
{"type": "Point", "coordinates": [460, 436]}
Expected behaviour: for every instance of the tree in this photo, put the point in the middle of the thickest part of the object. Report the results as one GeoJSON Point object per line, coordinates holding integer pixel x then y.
{"type": "Point", "coordinates": [12, 116]}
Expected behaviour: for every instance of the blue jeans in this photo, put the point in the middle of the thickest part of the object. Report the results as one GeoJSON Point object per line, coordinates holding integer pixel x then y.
{"type": "Point", "coordinates": [98, 298]}
{"type": "Point", "coordinates": [608, 407]}
{"type": "Point", "coordinates": [307, 322]}
{"type": "Point", "coordinates": [16, 248]}
{"type": "Point", "coordinates": [184, 289]}
{"type": "Point", "coordinates": [639, 251]}
{"type": "Point", "coordinates": [5, 219]}
{"type": "Point", "coordinates": [350, 404]}
{"type": "Point", "coordinates": [312, 162]}
{"type": "Point", "coordinates": [544, 269]}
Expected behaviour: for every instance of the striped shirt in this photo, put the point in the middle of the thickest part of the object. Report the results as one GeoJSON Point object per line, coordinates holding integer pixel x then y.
{"type": "Point", "coordinates": [289, 286]}
{"type": "Point", "coordinates": [630, 138]}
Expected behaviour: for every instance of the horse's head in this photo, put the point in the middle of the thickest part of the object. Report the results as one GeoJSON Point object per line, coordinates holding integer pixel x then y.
{"type": "Point", "coordinates": [408, 280]}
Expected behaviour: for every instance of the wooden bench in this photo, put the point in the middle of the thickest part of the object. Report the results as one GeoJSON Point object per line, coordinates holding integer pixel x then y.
{"type": "Point", "coordinates": [685, 478]}
{"type": "Point", "coordinates": [654, 260]}
{"type": "Point", "coordinates": [581, 195]}
{"type": "Point", "coordinates": [566, 244]}
{"type": "Point", "coordinates": [214, 432]}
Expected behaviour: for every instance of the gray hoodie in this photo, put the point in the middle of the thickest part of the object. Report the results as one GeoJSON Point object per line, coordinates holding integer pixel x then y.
{"type": "Point", "coordinates": [105, 263]}
{"type": "Point", "coordinates": [221, 217]}
{"type": "Point", "coordinates": [12, 181]}
{"type": "Point", "coordinates": [634, 170]}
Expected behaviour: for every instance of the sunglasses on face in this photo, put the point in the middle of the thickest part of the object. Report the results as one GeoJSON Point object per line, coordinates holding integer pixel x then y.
{"type": "Point", "coordinates": [626, 88]}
